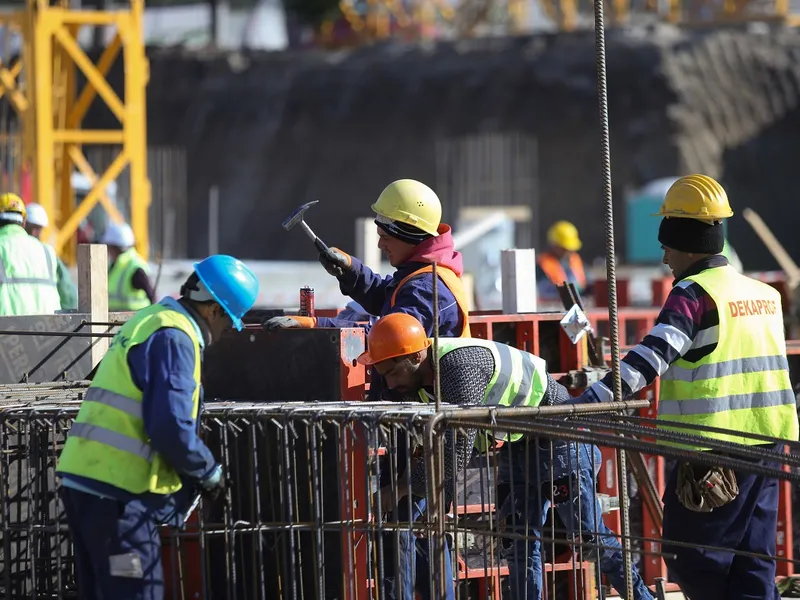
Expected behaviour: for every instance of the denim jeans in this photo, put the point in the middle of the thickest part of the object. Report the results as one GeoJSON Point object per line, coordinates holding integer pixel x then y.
{"type": "Point", "coordinates": [413, 563]}
{"type": "Point", "coordinates": [523, 467]}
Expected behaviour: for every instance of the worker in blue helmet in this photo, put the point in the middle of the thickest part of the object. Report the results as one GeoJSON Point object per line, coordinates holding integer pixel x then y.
{"type": "Point", "coordinates": [133, 459]}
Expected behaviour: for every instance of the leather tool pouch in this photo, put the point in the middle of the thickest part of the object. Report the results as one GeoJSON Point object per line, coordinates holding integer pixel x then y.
{"type": "Point", "coordinates": [703, 491]}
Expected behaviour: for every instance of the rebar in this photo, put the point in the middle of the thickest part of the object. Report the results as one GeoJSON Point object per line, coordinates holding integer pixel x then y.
{"type": "Point", "coordinates": [296, 522]}
{"type": "Point", "coordinates": [611, 271]}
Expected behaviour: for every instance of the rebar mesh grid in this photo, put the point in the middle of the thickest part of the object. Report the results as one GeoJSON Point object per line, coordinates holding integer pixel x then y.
{"type": "Point", "coordinates": [302, 519]}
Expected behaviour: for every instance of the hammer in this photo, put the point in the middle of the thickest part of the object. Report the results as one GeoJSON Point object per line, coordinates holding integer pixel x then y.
{"type": "Point", "coordinates": [297, 217]}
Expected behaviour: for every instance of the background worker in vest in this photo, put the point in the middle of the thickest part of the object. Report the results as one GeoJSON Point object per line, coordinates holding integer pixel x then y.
{"type": "Point", "coordinates": [35, 223]}
{"type": "Point", "coordinates": [133, 458]}
{"type": "Point", "coordinates": [28, 284]}
{"type": "Point", "coordinates": [129, 286]}
{"type": "Point", "coordinates": [718, 345]}
{"type": "Point", "coordinates": [560, 262]}
{"type": "Point", "coordinates": [479, 373]}
{"type": "Point", "coordinates": [412, 236]}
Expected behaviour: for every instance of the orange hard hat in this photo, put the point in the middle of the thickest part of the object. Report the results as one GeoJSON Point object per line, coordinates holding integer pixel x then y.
{"type": "Point", "coordinates": [397, 334]}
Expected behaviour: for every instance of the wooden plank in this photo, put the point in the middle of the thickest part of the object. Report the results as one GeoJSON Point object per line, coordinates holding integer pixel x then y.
{"type": "Point", "coordinates": [93, 293]}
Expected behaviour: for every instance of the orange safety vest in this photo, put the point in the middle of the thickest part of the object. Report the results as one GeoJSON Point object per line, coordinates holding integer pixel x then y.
{"type": "Point", "coordinates": [453, 283]}
{"type": "Point", "coordinates": [555, 271]}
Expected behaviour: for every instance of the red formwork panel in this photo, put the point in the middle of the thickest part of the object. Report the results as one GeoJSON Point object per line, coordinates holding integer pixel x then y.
{"type": "Point", "coordinates": [600, 293]}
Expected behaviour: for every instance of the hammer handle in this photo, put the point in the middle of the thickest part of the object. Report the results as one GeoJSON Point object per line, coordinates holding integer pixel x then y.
{"type": "Point", "coordinates": [321, 246]}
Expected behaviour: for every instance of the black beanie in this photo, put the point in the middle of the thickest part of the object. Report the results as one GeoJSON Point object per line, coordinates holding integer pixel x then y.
{"type": "Point", "coordinates": [691, 235]}
{"type": "Point", "coordinates": [402, 231]}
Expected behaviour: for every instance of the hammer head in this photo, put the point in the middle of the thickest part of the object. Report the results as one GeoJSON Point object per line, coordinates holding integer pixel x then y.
{"type": "Point", "coordinates": [297, 215]}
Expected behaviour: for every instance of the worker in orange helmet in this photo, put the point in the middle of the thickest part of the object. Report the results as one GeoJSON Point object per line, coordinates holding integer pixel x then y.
{"type": "Point", "coordinates": [477, 372]}
{"type": "Point", "coordinates": [560, 263]}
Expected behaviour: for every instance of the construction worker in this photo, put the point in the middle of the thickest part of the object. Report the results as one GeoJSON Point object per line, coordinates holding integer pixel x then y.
{"type": "Point", "coordinates": [129, 286]}
{"type": "Point", "coordinates": [718, 346]}
{"type": "Point", "coordinates": [28, 281]}
{"type": "Point", "coordinates": [560, 263]}
{"type": "Point", "coordinates": [475, 372]}
{"type": "Point", "coordinates": [412, 237]}
{"type": "Point", "coordinates": [133, 458]}
{"type": "Point", "coordinates": [35, 223]}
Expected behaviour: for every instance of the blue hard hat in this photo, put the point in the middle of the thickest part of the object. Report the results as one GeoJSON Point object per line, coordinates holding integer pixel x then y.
{"type": "Point", "coordinates": [232, 285]}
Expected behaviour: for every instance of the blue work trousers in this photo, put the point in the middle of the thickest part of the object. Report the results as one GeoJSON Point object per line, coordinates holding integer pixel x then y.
{"type": "Point", "coordinates": [413, 564]}
{"type": "Point", "coordinates": [117, 548]}
{"type": "Point", "coordinates": [525, 469]}
{"type": "Point", "coordinates": [747, 524]}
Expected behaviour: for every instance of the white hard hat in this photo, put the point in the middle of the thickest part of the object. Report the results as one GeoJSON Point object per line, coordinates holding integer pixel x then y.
{"type": "Point", "coordinates": [37, 215]}
{"type": "Point", "coordinates": [118, 234]}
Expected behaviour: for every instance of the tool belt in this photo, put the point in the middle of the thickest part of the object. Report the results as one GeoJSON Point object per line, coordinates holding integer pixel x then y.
{"type": "Point", "coordinates": [714, 488]}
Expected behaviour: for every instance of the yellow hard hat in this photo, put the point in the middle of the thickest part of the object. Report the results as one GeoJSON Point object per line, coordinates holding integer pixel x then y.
{"type": "Point", "coordinates": [564, 235]}
{"type": "Point", "coordinates": [12, 208]}
{"type": "Point", "coordinates": [696, 197]}
{"type": "Point", "coordinates": [411, 202]}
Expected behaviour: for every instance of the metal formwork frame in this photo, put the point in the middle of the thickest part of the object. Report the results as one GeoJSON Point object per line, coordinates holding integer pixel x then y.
{"type": "Point", "coordinates": [42, 88]}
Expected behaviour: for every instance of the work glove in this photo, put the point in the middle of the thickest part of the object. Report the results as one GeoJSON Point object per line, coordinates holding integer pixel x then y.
{"type": "Point", "coordinates": [336, 262]}
{"type": "Point", "coordinates": [289, 323]}
{"type": "Point", "coordinates": [213, 486]}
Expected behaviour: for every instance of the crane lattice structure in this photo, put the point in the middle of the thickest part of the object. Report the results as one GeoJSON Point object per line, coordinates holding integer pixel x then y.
{"type": "Point", "coordinates": [41, 85]}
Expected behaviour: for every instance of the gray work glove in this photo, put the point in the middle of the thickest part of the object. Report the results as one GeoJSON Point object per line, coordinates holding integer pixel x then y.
{"type": "Point", "coordinates": [288, 323]}
{"type": "Point", "coordinates": [213, 486]}
{"type": "Point", "coordinates": [336, 262]}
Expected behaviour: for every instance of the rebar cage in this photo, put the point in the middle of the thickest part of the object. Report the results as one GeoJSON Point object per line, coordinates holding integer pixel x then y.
{"type": "Point", "coordinates": [314, 508]}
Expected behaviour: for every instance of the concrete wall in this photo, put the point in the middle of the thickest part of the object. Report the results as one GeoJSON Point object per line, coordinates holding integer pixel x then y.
{"type": "Point", "coordinates": [275, 130]}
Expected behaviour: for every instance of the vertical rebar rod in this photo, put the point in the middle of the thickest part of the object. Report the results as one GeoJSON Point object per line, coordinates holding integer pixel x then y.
{"type": "Point", "coordinates": [435, 362]}
{"type": "Point", "coordinates": [611, 275]}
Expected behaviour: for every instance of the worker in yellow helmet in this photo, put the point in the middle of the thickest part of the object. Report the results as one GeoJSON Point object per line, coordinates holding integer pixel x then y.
{"type": "Point", "coordinates": [36, 222]}
{"type": "Point", "coordinates": [129, 286]}
{"type": "Point", "coordinates": [560, 263]}
{"type": "Point", "coordinates": [718, 346]}
{"type": "Point", "coordinates": [412, 236]}
{"type": "Point", "coordinates": [28, 281]}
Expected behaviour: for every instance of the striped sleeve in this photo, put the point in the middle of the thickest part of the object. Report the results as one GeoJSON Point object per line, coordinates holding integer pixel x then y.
{"type": "Point", "coordinates": [687, 326]}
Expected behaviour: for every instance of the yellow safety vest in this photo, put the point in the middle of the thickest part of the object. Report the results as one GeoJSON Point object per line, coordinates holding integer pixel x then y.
{"type": "Point", "coordinates": [28, 280]}
{"type": "Point", "coordinates": [519, 378]}
{"type": "Point", "coordinates": [108, 442]}
{"type": "Point", "coordinates": [122, 296]}
{"type": "Point", "coordinates": [743, 385]}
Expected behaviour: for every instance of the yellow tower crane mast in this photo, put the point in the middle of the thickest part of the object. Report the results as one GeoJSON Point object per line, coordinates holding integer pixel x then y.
{"type": "Point", "coordinates": [41, 85]}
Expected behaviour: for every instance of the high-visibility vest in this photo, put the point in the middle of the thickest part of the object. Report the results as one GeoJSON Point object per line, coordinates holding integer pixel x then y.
{"type": "Point", "coordinates": [554, 270]}
{"type": "Point", "coordinates": [122, 295]}
{"type": "Point", "coordinates": [519, 378]}
{"type": "Point", "coordinates": [453, 283]}
{"type": "Point", "coordinates": [744, 384]}
{"type": "Point", "coordinates": [107, 442]}
{"type": "Point", "coordinates": [28, 280]}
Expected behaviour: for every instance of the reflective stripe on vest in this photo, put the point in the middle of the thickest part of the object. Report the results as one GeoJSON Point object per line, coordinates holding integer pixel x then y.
{"type": "Point", "coordinates": [28, 274]}
{"type": "Point", "coordinates": [121, 293]}
{"type": "Point", "coordinates": [453, 283]}
{"type": "Point", "coordinates": [744, 384]}
{"type": "Point", "coordinates": [95, 433]}
{"type": "Point", "coordinates": [552, 267]}
{"type": "Point", "coordinates": [519, 378]}
{"type": "Point", "coordinates": [503, 378]}
{"type": "Point", "coordinates": [108, 441]}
